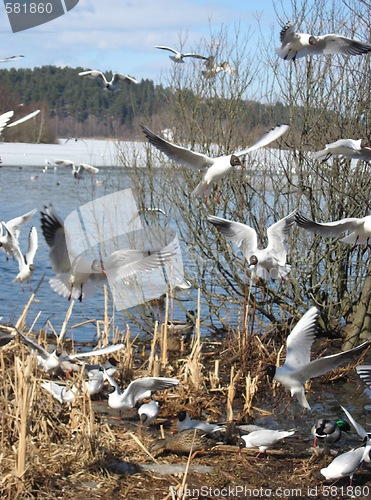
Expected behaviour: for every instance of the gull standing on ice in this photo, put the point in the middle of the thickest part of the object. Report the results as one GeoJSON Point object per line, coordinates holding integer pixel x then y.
{"type": "Point", "coordinates": [295, 45]}
{"type": "Point", "coordinates": [298, 368]}
{"type": "Point", "coordinates": [179, 56]}
{"type": "Point", "coordinates": [359, 228]}
{"type": "Point", "coordinates": [349, 148]}
{"type": "Point", "coordinates": [266, 263]}
{"type": "Point", "coordinates": [216, 168]}
{"type": "Point", "coordinates": [137, 390]}
{"type": "Point", "coordinates": [111, 85]}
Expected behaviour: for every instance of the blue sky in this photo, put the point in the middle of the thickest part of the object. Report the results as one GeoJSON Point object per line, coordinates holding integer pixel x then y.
{"type": "Point", "coordinates": [119, 35]}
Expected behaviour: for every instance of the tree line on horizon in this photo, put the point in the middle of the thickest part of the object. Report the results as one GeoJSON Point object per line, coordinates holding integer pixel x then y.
{"type": "Point", "coordinates": [79, 107]}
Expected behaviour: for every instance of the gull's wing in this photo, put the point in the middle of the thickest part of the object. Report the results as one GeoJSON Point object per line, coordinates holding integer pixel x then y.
{"type": "Point", "coordinates": [16, 250]}
{"type": "Point", "coordinates": [358, 427]}
{"type": "Point", "coordinates": [267, 138]}
{"type": "Point", "coordinates": [329, 228]}
{"type": "Point", "coordinates": [10, 58]}
{"type": "Point", "coordinates": [243, 236]}
{"type": "Point", "coordinates": [24, 119]}
{"type": "Point", "coordinates": [364, 371]}
{"type": "Point", "coordinates": [64, 163]}
{"type": "Point", "coordinates": [277, 237]}
{"type": "Point", "coordinates": [14, 224]}
{"type": "Point", "coordinates": [89, 168]}
{"type": "Point", "coordinates": [112, 382]}
{"type": "Point", "coordinates": [196, 56]}
{"type": "Point", "coordinates": [323, 365]}
{"type": "Point", "coordinates": [97, 352]}
{"type": "Point", "coordinates": [53, 231]}
{"type": "Point", "coordinates": [93, 74]}
{"type": "Point", "coordinates": [287, 33]}
{"type": "Point", "coordinates": [143, 387]}
{"type": "Point", "coordinates": [340, 147]}
{"type": "Point", "coordinates": [177, 153]}
{"type": "Point", "coordinates": [300, 340]}
{"type": "Point", "coordinates": [33, 345]}
{"type": "Point", "coordinates": [125, 78]}
{"type": "Point", "coordinates": [8, 242]}
{"type": "Point", "coordinates": [59, 392]}
{"type": "Point", "coordinates": [163, 47]}
{"type": "Point", "coordinates": [129, 262]}
{"type": "Point", "coordinates": [333, 44]}
{"type": "Point", "coordinates": [4, 118]}
{"type": "Point", "coordinates": [32, 245]}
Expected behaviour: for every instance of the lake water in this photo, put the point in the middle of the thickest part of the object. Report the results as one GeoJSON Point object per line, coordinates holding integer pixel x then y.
{"type": "Point", "coordinates": [25, 186]}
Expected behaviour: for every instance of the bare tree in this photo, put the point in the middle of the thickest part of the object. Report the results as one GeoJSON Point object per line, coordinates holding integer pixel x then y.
{"type": "Point", "coordinates": [325, 100]}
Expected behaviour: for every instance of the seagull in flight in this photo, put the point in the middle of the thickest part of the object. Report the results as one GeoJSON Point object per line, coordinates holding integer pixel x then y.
{"type": "Point", "coordinates": [77, 171]}
{"type": "Point", "coordinates": [126, 263]}
{"type": "Point", "coordinates": [349, 148]}
{"type": "Point", "coordinates": [359, 229]}
{"type": "Point", "coordinates": [179, 56]}
{"type": "Point", "coordinates": [213, 68]}
{"type": "Point", "coordinates": [215, 168]}
{"type": "Point", "coordinates": [109, 85]}
{"type": "Point", "coordinates": [298, 367]}
{"type": "Point", "coordinates": [49, 362]}
{"type": "Point", "coordinates": [138, 389]}
{"type": "Point", "coordinates": [26, 262]}
{"type": "Point", "coordinates": [10, 58]}
{"type": "Point", "coordinates": [5, 117]}
{"type": "Point", "coordinates": [10, 232]}
{"type": "Point", "coordinates": [295, 45]}
{"type": "Point", "coordinates": [267, 263]}
{"type": "Point", "coordinates": [72, 280]}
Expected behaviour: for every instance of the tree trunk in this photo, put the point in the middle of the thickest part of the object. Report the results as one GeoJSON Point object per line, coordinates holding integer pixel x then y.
{"type": "Point", "coordinates": [361, 323]}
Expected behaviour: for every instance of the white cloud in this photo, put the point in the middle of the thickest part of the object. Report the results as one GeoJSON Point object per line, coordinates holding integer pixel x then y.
{"type": "Point", "coordinates": [119, 34]}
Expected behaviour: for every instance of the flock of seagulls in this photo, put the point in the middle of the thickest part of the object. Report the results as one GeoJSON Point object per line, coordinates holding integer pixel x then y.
{"type": "Point", "coordinates": [212, 68]}
{"type": "Point", "coordinates": [73, 277]}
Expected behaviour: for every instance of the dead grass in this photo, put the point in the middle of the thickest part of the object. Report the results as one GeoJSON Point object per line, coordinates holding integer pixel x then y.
{"type": "Point", "coordinates": [83, 450]}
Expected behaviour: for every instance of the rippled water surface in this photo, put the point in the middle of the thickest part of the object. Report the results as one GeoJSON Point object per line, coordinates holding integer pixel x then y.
{"type": "Point", "coordinates": [20, 194]}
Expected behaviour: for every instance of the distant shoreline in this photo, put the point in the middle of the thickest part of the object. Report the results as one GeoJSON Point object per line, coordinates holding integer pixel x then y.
{"type": "Point", "coordinates": [96, 152]}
